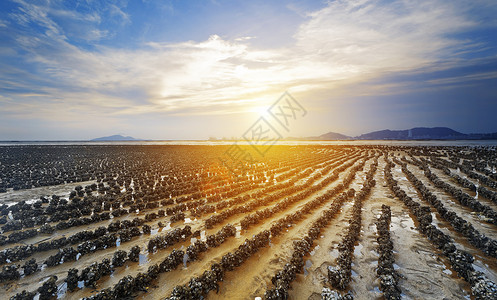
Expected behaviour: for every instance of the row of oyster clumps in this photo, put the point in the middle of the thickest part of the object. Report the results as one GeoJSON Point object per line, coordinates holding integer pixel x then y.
{"type": "Point", "coordinates": [388, 276]}
{"type": "Point", "coordinates": [73, 213]}
{"type": "Point", "coordinates": [94, 272]}
{"type": "Point", "coordinates": [258, 216]}
{"type": "Point", "coordinates": [201, 210]}
{"type": "Point", "coordinates": [230, 261]}
{"type": "Point", "coordinates": [91, 274]}
{"type": "Point", "coordinates": [101, 242]}
{"type": "Point", "coordinates": [170, 238]}
{"type": "Point", "coordinates": [461, 261]}
{"type": "Point", "coordinates": [287, 189]}
{"type": "Point", "coordinates": [488, 179]}
{"type": "Point", "coordinates": [260, 198]}
{"type": "Point", "coordinates": [61, 210]}
{"type": "Point", "coordinates": [283, 278]}
{"type": "Point", "coordinates": [128, 285]}
{"type": "Point", "coordinates": [84, 210]}
{"type": "Point", "coordinates": [24, 167]}
{"type": "Point", "coordinates": [340, 276]}
{"type": "Point", "coordinates": [209, 280]}
{"type": "Point", "coordinates": [73, 216]}
{"type": "Point", "coordinates": [99, 239]}
{"type": "Point", "coordinates": [48, 290]}
{"type": "Point", "coordinates": [477, 239]}
{"type": "Point", "coordinates": [306, 189]}
{"type": "Point", "coordinates": [462, 197]}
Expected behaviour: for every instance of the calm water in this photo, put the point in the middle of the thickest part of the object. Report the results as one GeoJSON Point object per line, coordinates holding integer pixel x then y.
{"type": "Point", "coordinates": [355, 142]}
{"type": "Point", "coordinates": [64, 189]}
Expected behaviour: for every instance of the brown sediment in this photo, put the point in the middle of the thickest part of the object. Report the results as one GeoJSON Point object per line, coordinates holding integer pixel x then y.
{"type": "Point", "coordinates": [424, 271]}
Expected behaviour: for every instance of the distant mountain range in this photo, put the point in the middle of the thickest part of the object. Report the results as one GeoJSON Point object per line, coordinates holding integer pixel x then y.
{"type": "Point", "coordinates": [116, 137]}
{"type": "Point", "coordinates": [330, 136]}
{"type": "Point", "coordinates": [418, 133]}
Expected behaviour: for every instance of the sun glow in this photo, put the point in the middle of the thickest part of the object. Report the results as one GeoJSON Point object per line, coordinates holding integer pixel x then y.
{"type": "Point", "coordinates": [261, 110]}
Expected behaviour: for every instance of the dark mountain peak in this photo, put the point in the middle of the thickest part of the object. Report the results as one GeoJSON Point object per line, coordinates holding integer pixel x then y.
{"type": "Point", "coordinates": [417, 133]}
{"type": "Point", "coordinates": [333, 136]}
{"type": "Point", "coordinates": [435, 130]}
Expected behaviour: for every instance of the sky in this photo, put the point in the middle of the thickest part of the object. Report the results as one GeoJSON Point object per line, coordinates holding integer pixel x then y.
{"type": "Point", "coordinates": [159, 69]}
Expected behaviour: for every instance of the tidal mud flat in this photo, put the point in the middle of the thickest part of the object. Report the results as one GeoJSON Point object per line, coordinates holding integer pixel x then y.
{"type": "Point", "coordinates": [302, 222]}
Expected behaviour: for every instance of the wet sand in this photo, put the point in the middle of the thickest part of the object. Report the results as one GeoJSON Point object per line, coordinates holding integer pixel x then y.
{"type": "Point", "coordinates": [424, 272]}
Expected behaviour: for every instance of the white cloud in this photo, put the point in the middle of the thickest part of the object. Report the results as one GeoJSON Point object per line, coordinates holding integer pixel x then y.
{"type": "Point", "coordinates": [464, 78]}
{"type": "Point", "coordinates": [347, 41]}
{"type": "Point", "coordinates": [117, 11]}
{"type": "Point", "coordinates": [245, 38]}
{"type": "Point", "coordinates": [367, 37]}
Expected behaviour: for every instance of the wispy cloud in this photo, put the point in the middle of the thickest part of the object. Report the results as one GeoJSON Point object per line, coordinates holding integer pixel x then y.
{"type": "Point", "coordinates": [117, 11]}
{"type": "Point", "coordinates": [343, 43]}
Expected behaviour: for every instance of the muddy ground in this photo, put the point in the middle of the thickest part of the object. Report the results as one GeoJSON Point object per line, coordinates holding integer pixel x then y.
{"type": "Point", "coordinates": [423, 271]}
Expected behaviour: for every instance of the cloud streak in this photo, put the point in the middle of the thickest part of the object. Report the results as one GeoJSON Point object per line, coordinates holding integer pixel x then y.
{"type": "Point", "coordinates": [344, 43]}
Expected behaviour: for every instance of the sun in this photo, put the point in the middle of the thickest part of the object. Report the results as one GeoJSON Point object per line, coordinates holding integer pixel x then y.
{"type": "Point", "coordinates": [261, 110]}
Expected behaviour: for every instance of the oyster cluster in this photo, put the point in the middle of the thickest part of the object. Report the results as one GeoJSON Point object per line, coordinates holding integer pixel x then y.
{"type": "Point", "coordinates": [90, 275]}
{"type": "Point", "coordinates": [489, 179]}
{"type": "Point", "coordinates": [72, 279]}
{"type": "Point", "coordinates": [210, 208]}
{"type": "Point", "coordinates": [16, 253]}
{"type": "Point", "coordinates": [283, 278]}
{"type": "Point", "coordinates": [308, 188]}
{"type": "Point", "coordinates": [461, 261]}
{"type": "Point", "coordinates": [194, 250]}
{"type": "Point", "coordinates": [284, 189]}
{"type": "Point", "coordinates": [95, 240]}
{"type": "Point", "coordinates": [176, 209]}
{"type": "Point", "coordinates": [477, 239]}
{"type": "Point", "coordinates": [9, 272]}
{"type": "Point", "coordinates": [180, 216]}
{"type": "Point", "coordinates": [24, 295]}
{"type": "Point", "coordinates": [134, 254]}
{"type": "Point", "coordinates": [119, 258]}
{"type": "Point", "coordinates": [462, 197]}
{"type": "Point", "coordinates": [172, 237]}
{"type": "Point", "coordinates": [48, 289]}
{"type": "Point", "coordinates": [386, 272]}
{"type": "Point", "coordinates": [329, 294]}
{"type": "Point", "coordinates": [198, 287]}
{"type": "Point", "coordinates": [217, 239]}
{"type": "Point", "coordinates": [21, 252]}
{"type": "Point", "coordinates": [340, 276]}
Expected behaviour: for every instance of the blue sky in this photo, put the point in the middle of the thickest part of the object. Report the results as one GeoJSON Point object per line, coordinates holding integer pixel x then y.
{"type": "Point", "coordinates": [194, 69]}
